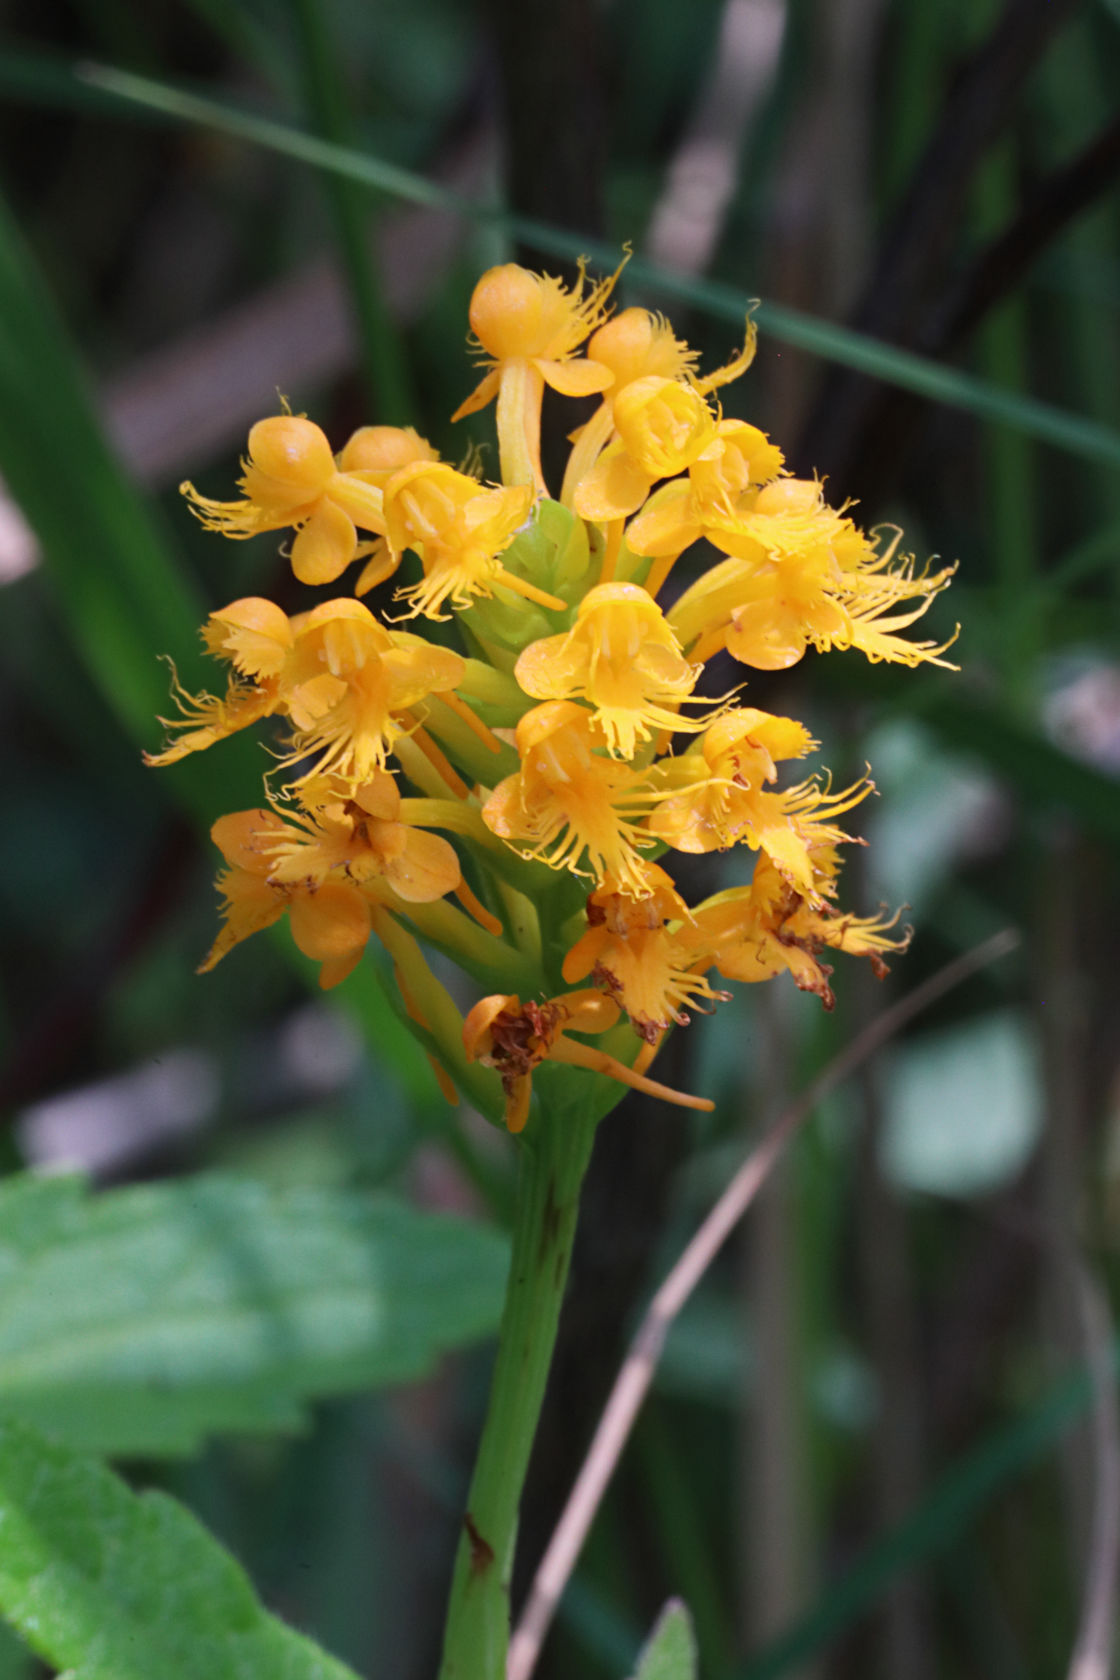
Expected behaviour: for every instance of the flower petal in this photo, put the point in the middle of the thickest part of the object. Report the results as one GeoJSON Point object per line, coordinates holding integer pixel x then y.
{"type": "Point", "coordinates": [614, 488]}
{"type": "Point", "coordinates": [332, 922]}
{"type": "Point", "coordinates": [251, 904]}
{"type": "Point", "coordinates": [483, 393]}
{"type": "Point", "coordinates": [575, 379]}
{"type": "Point", "coordinates": [243, 838]}
{"type": "Point", "coordinates": [325, 545]}
{"type": "Point", "coordinates": [667, 524]}
{"type": "Point", "coordinates": [426, 868]}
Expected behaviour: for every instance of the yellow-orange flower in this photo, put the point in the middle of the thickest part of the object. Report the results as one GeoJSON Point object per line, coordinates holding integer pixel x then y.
{"type": "Point", "coordinates": [639, 345]}
{"type": "Point", "coordinates": [459, 529]}
{"type": "Point", "coordinates": [768, 928]}
{"type": "Point", "coordinates": [726, 800]}
{"type": "Point", "coordinates": [352, 680]}
{"type": "Point", "coordinates": [530, 326]}
{"type": "Point", "coordinates": [338, 675]}
{"type": "Point", "coordinates": [621, 657]}
{"type": "Point", "coordinates": [375, 453]}
{"type": "Point", "coordinates": [330, 922]}
{"type": "Point", "coordinates": [663, 425]}
{"type": "Point", "coordinates": [801, 574]}
{"type": "Point", "coordinates": [638, 950]}
{"type": "Point", "coordinates": [290, 479]}
{"type": "Point", "coordinates": [515, 1038]}
{"type": "Point", "coordinates": [720, 491]}
{"type": "Point", "coordinates": [572, 806]}
{"type": "Point", "coordinates": [358, 833]}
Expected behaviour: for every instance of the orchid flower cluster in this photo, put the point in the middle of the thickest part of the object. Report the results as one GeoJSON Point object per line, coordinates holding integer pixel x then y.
{"type": "Point", "coordinates": [512, 800]}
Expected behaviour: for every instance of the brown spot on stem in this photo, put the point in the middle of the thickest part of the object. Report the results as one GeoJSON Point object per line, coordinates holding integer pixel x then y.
{"type": "Point", "coordinates": [482, 1552]}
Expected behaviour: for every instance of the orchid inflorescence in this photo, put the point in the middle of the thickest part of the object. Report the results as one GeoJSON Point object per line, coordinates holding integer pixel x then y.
{"type": "Point", "coordinates": [562, 747]}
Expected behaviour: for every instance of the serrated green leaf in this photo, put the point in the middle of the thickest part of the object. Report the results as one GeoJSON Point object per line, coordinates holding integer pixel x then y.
{"type": "Point", "coordinates": [670, 1652]}
{"type": "Point", "coordinates": [139, 1320]}
{"type": "Point", "coordinates": [111, 1585]}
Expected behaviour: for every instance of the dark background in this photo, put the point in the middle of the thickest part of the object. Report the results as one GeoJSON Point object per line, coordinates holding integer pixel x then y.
{"type": "Point", "coordinates": [874, 1364]}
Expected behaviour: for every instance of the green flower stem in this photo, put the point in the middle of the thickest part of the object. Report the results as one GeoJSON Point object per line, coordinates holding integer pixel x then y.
{"type": "Point", "coordinates": [494, 688]}
{"type": "Point", "coordinates": [463, 746]}
{"type": "Point", "coordinates": [487, 959]}
{"type": "Point", "coordinates": [554, 1155]}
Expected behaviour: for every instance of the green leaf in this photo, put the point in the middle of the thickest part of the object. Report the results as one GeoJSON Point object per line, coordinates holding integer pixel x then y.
{"type": "Point", "coordinates": [111, 1585]}
{"type": "Point", "coordinates": [139, 1320]}
{"type": "Point", "coordinates": [670, 1653]}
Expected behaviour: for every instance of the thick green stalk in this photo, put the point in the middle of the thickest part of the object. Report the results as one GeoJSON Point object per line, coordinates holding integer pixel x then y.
{"type": "Point", "coordinates": [554, 1156]}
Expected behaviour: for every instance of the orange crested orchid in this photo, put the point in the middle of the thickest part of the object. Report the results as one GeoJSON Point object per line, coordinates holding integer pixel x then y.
{"type": "Point", "coordinates": [621, 657]}
{"type": "Point", "coordinates": [640, 952]}
{"type": "Point", "coordinates": [637, 344]}
{"type": "Point", "coordinates": [530, 326]}
{"type": "Point", "coordinates": [720, 490]}
{"type": "Point", "coordinates": [513, 1037]}
{"type": "Point", "coordinates": [459, 529]}
{"type": "Point", "coordinates": [800, 574]}
{"type": "Point", "coordinates": [726, 799]}
{"type": "Point", "coordinates": [358, 833]}
{"type": "Point", "coordinates": [290, 479]}
{"type": "Point", "coordinates": [572, 805]}
{"type": "Point", "coordinates": [551, 645]}
{"type": "Point", "coordinates": [377, 452]}
{"type": "Point", "coordinates": [330, 921]}
{"type": "Point", "coordinates": [769, 928]}
{"type": "Point", "coordinates": [662, 426]}
{"type": "Point", "coordinates": [338, 675]}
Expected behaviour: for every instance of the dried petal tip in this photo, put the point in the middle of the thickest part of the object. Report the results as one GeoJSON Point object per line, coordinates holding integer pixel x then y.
{"type": "Point", "coordinates": [514, 1038]}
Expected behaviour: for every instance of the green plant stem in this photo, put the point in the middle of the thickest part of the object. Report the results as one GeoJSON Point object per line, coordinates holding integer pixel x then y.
{"type": "Point", "coordinates": [554, 1156]}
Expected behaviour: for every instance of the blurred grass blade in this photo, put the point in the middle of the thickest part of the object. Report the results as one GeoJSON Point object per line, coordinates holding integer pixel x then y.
{"type": "Point", "coordinates": [119, 593]}
{"type": "Point", "coordinates": [386, 370]}
{"type": "Point", "coordinates": [121, 596]}
{"type": "Point", "coordinates": [834, 343]}
{"type": "Point", "coordinates": [670, 1653]}
{"type": "Point", "coordinates": [932, 1526]}
{"type": "Point", "coordinates": [168, 101]}
{"type": "Point", "coordinates": [102, 545]}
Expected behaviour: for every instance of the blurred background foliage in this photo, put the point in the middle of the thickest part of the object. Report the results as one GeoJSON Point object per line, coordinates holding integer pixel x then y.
{"type": "Point", "coordinates": [867, 1452]}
